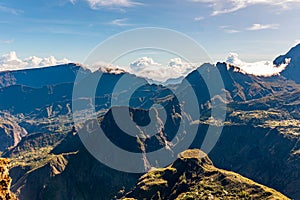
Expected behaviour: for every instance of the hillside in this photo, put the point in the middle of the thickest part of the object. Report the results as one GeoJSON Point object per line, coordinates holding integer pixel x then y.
{"type": "Point", "coordinates": [193, 176]}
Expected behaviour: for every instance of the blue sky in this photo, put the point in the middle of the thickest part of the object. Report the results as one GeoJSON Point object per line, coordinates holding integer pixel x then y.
{"type": "Point", "coordinates": [255, 29]}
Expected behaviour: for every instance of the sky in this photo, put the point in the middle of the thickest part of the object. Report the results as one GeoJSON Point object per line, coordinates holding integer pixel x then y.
{"type": "Point", "coordinates": [254, 30]}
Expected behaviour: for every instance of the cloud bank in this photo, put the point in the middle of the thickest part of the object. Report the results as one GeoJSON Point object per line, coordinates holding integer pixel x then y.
{"type": "Point", "coordinates": [176, 69]}
{"type": "Point", "coordinates": [154, 72]}
{"type": "Point", "coordinates": [144, 67]}
{"type": "Point", "coordinates": [10, 62]}
{"type": "Point", "coordinates": [262, 68]}
{"type": "Point", "coordinates": [229, 6]}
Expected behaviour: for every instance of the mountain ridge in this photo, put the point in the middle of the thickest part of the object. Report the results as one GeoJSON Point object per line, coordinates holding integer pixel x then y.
{"type": "Point", "coordinates": [12, 77]}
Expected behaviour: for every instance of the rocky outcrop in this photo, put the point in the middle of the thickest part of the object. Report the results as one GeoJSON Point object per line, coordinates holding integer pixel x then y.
{"type": "Point", "coordinates": [5, 181]}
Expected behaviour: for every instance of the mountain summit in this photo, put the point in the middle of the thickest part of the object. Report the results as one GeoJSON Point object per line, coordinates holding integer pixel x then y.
{"type": "Point", "coordinates": [292, 71]}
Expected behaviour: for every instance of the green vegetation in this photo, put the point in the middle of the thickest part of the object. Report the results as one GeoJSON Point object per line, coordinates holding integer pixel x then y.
{"type": "Point", "coordinates": [193, 176]}
{"type": "Point", "coordinates": [33, 158]}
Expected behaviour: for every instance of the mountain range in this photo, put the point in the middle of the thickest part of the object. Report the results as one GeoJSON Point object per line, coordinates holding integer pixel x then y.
{"type": "Point", "coordinates": [259, 141]}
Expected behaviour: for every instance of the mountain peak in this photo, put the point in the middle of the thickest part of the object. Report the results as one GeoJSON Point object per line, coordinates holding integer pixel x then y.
{"type": "Point", "coordinates": [192, 153]}
{"type": "Point", "coordinates": [296, 48]}
{"type": "Point", "coordinates": [196, 155]}
{"type": "Point", "coordinates": [292, 71]}
{"type": "Point", "coordinates": [193, 176]}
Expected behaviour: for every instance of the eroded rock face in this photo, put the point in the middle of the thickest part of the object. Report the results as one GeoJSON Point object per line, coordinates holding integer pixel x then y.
{"type": "Point", "coordinates": [11, 132]}
{"type": "Point", "coordinates": [5, 181]}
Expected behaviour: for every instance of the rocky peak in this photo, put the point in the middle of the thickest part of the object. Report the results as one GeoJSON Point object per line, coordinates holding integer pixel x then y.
{"type": "Point", "coordinates": [193, 157]}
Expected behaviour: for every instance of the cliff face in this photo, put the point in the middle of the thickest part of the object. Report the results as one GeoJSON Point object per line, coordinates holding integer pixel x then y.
{"type": "Point", "coordinates": [5, 181]}
{"type": "Point", "coordinates": [193, 176]}
{"type": "Point", "coordinates": [11, 132]}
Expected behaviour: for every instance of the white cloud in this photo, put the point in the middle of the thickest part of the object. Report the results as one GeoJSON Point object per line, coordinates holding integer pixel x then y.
{"type": "Point", "coordinates": [262, 68]}
{"type": "Point", "coordinates": [229, 6]}
{"type": "Point", "coordinates": [181, 66]}
{"type": "Point", "coordinates": [11, 61]}
{"type": "Point", "coordinates": [175, 69]}
{"type": "Point", "coordinates": [256, 27]}
{"type": "Point", "coordinates": [96, 4]}
{"type": "Point", "coordinates": [120, 22]}
{"type": "Point", "coordinates": [154, 72]}
{"type": "Point", "coordinates": [229, 29]}
{"type": "Point", "coordinates": [144, 62]}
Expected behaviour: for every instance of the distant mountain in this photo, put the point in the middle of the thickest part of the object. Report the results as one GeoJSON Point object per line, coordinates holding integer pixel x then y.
{"type": "Point", "coordinates": [292, 71]}
{"type": "Point", "coordinates": [193, 176]}
{"type": "Point", "coordinates": [239, 87]}
{"type": "Point", "coordinates": [40, 77]}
